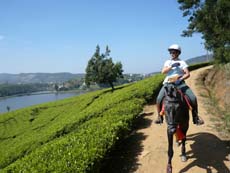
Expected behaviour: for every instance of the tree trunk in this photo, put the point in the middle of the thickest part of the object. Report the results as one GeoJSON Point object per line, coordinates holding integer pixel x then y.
{"type": "Point", "coordinates": [112, 86]}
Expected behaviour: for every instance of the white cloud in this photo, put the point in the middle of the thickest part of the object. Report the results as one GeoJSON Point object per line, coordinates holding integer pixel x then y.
{"type": "Point", "coordinates": [1, 37]}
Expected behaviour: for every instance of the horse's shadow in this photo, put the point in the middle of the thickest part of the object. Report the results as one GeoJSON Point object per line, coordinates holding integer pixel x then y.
{"type": "Point", "coordinates": [209, 152]}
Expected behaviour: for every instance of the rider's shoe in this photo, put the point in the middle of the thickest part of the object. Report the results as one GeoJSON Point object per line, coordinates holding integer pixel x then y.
{"type": "Point", "coordinates": [197, 120]}
{"type": "Point", "coordinates": [159, 120]}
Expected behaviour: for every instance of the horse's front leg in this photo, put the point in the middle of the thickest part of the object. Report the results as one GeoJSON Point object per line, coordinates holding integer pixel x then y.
{"type": "Point", "coordinates": [170, 150]}
{"type": "Point", "coordinates": [183, 151]}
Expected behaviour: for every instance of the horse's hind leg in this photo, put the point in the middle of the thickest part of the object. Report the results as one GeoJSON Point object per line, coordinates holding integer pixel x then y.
{"type": "Point", "coordinates": [170, 151]}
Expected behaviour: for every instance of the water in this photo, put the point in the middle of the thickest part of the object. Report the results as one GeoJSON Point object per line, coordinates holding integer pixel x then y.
{"type": "Point", "coordinates": [28, 100]}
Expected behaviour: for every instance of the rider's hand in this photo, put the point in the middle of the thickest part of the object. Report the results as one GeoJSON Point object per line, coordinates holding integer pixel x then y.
{"type": "Point", "coordinates": [177, 64]}
{"type": "Point", "coordinates": [178, 81]}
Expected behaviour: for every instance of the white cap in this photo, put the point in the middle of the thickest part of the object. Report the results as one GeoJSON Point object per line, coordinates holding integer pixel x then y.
{"type": "Point", "coordinates": [174, 47]}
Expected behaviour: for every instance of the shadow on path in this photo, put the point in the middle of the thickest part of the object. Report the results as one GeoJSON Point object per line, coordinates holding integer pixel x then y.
{"type": "Point", "coordinates": [123, 159]}
{"type": "Point", "coordinates": [209, 153]}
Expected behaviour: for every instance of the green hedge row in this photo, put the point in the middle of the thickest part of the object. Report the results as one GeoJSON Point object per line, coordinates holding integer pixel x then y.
{"type": "Point", "coordinates": [200, 65]}
{"type": "Point", "coordinates": [74, 134]}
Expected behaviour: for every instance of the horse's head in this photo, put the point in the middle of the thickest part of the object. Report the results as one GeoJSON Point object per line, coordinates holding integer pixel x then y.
{"type": "Point", "coordinates": [172, 93]}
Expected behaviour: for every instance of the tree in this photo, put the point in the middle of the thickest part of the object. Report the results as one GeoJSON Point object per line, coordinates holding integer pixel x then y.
{"type": "Point", "coordinates": [102, 70]}
{"type": "Point", "coordinates": [211, 18]}
{"type": "Point", "coordinates": [56, 87]}
{"type": "Point", "coordinates": [8, 108]}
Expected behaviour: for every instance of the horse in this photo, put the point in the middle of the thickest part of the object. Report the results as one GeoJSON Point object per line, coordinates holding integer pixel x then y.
{"type": "Point", "coordinates": [176, 110]}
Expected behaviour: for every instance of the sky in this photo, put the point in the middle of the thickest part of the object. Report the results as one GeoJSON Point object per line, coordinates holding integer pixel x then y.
{"type": "Point", "coordinates": [51, 36]}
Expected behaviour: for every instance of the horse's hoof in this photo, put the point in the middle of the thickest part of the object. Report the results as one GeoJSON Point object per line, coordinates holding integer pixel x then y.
{"type": "Point", "coordinates": [169, 168]}
{"type": "Point", "coordinates": [177, 143]}
{"type": "Point", "coordinates": [183, 158]}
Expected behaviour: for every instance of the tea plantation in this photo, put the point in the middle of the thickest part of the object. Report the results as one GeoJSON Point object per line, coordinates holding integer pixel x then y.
{"type": "Point", "coordinates": [74, 134]}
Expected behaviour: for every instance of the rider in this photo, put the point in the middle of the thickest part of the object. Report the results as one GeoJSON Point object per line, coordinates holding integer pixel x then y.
{"type": "Point", "coordinates": [172, 68]}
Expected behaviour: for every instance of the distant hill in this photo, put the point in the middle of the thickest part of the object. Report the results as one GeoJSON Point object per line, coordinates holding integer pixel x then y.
{"type": "Point", "coordinates": [24, 78]}
{"type": "Point", "coordinates": [191, 61]}
{"type": "Point", "coordinates": [199, 59]}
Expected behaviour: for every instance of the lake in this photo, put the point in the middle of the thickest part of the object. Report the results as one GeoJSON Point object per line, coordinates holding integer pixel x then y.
{"type": "Point", "coordinates": [29, 100]}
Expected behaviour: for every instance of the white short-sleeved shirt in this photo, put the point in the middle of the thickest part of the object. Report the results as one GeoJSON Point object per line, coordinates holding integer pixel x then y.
{"type": "Point", "coordinates": [175, 70]}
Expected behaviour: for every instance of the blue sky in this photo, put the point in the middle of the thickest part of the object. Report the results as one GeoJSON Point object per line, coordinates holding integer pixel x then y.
{"type": "Point", "coordinates": [61, 35]}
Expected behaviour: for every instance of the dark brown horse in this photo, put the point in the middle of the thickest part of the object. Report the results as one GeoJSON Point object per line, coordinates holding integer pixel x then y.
{"type": "Point", "coordinates": [177, 118]}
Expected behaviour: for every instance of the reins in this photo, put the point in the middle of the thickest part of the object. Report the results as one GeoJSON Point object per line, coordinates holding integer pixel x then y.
{"type": "Point", "coordinates": [185, 97]}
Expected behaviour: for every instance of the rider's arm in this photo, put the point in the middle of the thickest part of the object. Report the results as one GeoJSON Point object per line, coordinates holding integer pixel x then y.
{"type": "Point", "coordinates": [166, 69]}
{"type": "Point", "coordinates": [186, 74]}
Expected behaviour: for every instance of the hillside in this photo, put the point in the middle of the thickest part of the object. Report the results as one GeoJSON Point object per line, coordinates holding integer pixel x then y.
{"type": "Point", "coordinates": [24, 78]}
{"type": "Point", "coordinates": [74, 134]}
{"type": "Point", "coordinates": [216, 81]}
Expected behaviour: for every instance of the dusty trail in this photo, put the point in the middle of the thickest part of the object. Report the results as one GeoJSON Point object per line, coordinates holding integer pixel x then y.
{"type": "Point", "coordinates": [145, 151]}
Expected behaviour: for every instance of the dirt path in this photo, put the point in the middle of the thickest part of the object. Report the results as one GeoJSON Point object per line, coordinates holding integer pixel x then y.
{"type": "Point", "coordinates": [145, 151]}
